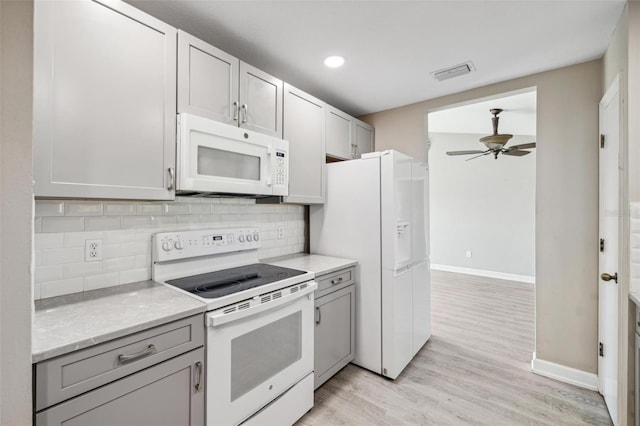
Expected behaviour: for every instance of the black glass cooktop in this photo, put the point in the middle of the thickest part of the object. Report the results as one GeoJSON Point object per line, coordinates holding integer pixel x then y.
{"type": "Point", "coordinates": [228, 281]}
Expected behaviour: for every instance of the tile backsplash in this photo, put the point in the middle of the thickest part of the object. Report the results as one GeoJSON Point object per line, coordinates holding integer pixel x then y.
{"type": "Point", "coordinates": [125, 228]}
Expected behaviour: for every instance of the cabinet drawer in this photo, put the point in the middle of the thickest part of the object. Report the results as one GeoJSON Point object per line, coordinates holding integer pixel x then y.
{"type": "Point", "coordinates": [335, 281]}
{"type": "Point", "coordinates": [637, 319]}
{"type": "Point", "coordinates": [167, 394]}
{"type": "Point", "coordinates": [69, 375]}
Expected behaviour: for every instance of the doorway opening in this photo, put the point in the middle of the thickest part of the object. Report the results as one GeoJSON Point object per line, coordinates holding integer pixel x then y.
{"type": "Point", "coordinates": [482, 208]}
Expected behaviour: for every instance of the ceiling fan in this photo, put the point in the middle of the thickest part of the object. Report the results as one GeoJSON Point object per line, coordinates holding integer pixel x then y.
{"type": "Point", "coordinates": [496, 142]}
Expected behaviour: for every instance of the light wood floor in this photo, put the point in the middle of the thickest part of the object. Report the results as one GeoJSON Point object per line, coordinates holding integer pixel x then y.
{"type": "Point", "coordinates": [473, 370]}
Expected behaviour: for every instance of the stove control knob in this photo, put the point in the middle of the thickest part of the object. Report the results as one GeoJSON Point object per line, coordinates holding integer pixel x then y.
{"type": "Point", "coordinates": [249, 238]}
{"type": "Point", "coordinates": [178, 245]}
{"type": "Point", "coordinates": [241, 238]}
{"type": "Point", "coordinates": [166, 246]}
{"type": "Point", "coordinates": [256, 237]}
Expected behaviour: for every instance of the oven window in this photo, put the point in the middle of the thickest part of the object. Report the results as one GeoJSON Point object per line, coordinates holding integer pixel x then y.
{"type": "Point", "coordinates": [217, 162]}
{"type": "Point", "coordinates": [264, 352]}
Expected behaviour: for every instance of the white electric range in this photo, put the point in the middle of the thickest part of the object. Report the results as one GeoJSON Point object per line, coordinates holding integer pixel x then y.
{"type": "Point", "coordinates": [259, 320]}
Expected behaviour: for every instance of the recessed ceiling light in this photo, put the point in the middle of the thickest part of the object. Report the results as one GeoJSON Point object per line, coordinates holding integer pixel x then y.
{"type": "Point", "coordinates": [334, 61]}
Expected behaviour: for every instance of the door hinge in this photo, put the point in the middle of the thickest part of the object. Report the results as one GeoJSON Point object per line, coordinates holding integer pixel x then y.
{"type": "Point", "coordinates": [601, 141]}
{"type": "Point", "coordinates": [601, 245]}
{"type": "Point", "coordinates": [601, 349]}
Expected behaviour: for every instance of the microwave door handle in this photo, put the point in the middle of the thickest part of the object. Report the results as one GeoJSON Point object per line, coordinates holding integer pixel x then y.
{"type": "Point", "coordinates": [270, 162]}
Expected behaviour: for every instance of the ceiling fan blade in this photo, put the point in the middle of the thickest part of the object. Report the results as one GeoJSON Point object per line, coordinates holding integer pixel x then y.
{"type": "Point", "coordinates": [523, 146]}
{"type": "Point", "coordinates": [481, 155]}
{"type": "Point", "coordinates": [464, 152]}
{"type": "Point", "coordinates": [515, 152]}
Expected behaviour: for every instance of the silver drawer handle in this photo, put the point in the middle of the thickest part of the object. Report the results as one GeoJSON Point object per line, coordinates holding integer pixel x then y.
{"type": "Point", "coordinates": [128, 358]}
{"type": "Point", "coordinates": [339, 280]}
{"type": "Point", "coordinates": [319, 315]}
{"type": "Point", "coordinates": [198, 384]}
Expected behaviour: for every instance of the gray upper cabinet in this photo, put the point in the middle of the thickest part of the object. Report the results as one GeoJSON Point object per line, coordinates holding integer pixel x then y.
{"type": "Point", "coordinates": [304, 128]}
{"type": "Point", "coordinates": [104, 101]}
{"type": "Point", "coordinates": [347, 137]}
{"type": "Point", "coordinates": [216, 85]}
{"type": "Point", "coordinates": [260, 101]}
{"type": "Point", "coordinates": [339, 134]}
{"type": "Point", "coordinates": [207, 80]}
{"type": "Point", "coordinates": [363, 138]}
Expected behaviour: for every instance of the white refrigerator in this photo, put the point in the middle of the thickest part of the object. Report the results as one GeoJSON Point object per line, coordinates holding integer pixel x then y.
{"type": "Point", "coordinates": [377, 211]}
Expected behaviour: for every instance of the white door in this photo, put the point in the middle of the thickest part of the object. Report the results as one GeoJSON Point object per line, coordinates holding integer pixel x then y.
{"type": "Point", "coordinates": [608, 289]}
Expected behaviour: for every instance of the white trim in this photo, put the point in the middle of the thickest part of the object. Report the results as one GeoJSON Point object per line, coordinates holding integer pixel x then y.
{"type": "Point", "coordinates": [564, 374]}
{"type": "Point", "coordinates": [482, 273]}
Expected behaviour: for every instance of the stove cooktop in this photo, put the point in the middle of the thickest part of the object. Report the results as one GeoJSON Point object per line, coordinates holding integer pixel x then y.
{"type": "Point", "coordinates": [217, 284]}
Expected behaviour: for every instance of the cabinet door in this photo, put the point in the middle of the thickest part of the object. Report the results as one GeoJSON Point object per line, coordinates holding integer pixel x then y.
{"type": "Point", "coordinates": [334, 334]}
{"type": "Point", "coordinates": [207, 80]}
{"type": "Point", "coordinates": [105, 101]}
{"type": "Point", "coordinates": [339, 135]}
{"type": "Point", "coordinates": [304, 128]}
{"type": "Point", "coordinates": [260, 101]}
{"type": "Point", "coordinates": [165, 394]}
{"type": "Point", "coordinates": [363, 135]}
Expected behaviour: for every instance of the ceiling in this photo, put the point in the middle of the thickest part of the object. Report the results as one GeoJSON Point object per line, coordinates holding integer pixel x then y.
{"type": "Point", "coordinates": [517, 118]}
{"type": "Point", "coordinates": [391, 47]}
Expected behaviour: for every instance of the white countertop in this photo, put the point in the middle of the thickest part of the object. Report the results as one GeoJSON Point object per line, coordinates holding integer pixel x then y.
{"type": "Point", "coordinates": [316, 263]}
{"type": "Point", "coordinates": [67, 323]}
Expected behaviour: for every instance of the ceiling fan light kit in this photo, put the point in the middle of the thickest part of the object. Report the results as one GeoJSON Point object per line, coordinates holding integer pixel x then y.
{"type": "Point", "coordinates": [496, 142]}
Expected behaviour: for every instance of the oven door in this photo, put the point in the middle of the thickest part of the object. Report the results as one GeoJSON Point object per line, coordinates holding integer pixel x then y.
{"type": "Point", "coordinates": [254, 359]}
{"type": "Point", "coordinates": [217, 157]}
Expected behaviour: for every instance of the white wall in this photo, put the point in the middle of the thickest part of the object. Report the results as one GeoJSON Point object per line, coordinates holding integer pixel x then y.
{"type": "Point", "coordinates": [16, 212]}
{"type": "Point", "coordinates": [483, 205]}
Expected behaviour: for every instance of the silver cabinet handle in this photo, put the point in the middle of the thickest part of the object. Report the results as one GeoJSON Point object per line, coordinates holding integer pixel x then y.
{"type": "Point", "coordinates": [143, 353]}
{"type": "Point", "coordinates": [334, 282]}
{"type": "Point", "coordinates": [245, 107]}
{"type": "Point", "coordinates": [235, 111]}
{"type": "Point", "coordinates": [172, 179]}
{"type": "Point", "coordinates": [318, 315]}
{"type": "Point", "coordinates": [198, 373]}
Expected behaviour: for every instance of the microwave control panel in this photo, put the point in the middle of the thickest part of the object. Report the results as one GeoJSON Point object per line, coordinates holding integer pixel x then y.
{"type": "Point", "coordinates": [202, 242]}
{"type": "Point", "coordinates": [280, 167]}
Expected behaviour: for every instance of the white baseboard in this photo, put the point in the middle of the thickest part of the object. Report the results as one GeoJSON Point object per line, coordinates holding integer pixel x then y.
{"type": "Point", "coordinates": [564, 373]}
{"type": "Point", "coordinates": [482, 273]}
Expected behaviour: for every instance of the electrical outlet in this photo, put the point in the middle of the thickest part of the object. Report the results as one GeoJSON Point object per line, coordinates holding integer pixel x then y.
{"type": "Point", "coordinates": [280, 232]}
{"type": "Point", "coordinates": [92, 250]}
{"type": "Point", "coordinates": [468, 254]}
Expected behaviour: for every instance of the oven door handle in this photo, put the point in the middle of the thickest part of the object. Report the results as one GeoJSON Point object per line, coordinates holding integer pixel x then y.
{"type": "Point", "coordinates": [217, 318]}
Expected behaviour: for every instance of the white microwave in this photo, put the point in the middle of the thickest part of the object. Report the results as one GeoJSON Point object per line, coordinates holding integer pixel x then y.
{"type": "Point", "coordinates": [218, 158]}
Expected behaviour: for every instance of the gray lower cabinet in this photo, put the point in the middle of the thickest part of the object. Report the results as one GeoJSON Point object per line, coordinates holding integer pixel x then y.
{"type": "Point", "coordinates": [104, 101]}
{"type": "Point", "coordinates": [165, 394]}
{"type": "Point", "coordinates": [153, 377]}
{"type": "Point", "coordinates": [335, 326]}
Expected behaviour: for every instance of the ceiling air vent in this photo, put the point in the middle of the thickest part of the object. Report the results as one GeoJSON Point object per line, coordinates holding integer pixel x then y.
{"type": "Point", "coordinates": [455, 71]}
